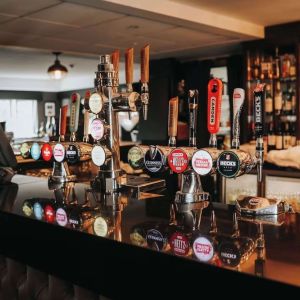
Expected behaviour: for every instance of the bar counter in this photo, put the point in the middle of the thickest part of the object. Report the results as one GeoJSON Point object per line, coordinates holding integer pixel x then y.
{"type": "Point", "coordinates": [114, 266]}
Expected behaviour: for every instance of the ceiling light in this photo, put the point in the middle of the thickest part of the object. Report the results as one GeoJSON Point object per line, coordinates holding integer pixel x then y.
{"type": "Point", "coordinates": [57, 70]}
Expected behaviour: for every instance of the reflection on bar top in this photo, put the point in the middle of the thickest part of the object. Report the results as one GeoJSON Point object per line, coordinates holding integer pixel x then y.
{"type": "Point", "coordinates": [129, 221]}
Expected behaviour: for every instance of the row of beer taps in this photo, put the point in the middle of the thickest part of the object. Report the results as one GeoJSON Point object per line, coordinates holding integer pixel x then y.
{"type": "Point", "coordinates": [190, 162]}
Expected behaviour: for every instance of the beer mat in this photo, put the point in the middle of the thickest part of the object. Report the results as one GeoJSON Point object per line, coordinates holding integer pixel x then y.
{"type": "Point", "coordinates": [285, 158]}
{"type": "Point", "coordinates": [253, 206]}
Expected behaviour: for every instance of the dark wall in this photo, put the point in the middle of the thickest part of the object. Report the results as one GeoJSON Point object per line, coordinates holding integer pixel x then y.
{"type": "Point", "coordinates": [162, 87]}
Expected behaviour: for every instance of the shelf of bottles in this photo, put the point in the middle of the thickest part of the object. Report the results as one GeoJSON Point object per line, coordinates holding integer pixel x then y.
{"type": "Point", "coordinates": [279, 73]}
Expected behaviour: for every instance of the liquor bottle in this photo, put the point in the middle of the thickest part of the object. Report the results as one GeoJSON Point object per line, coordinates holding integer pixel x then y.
{"type": "Point", "coordinates": [271, 137]}
{"type": "Point", "coordinates": [286, 136]}
{"type": "Point", "coordinates": [286, 64]}
{"type": "Point", "coordinates": [288, 101]}
{"type": "Point", "coordinates": [293, 101]}
{"type": "Point", "coordinates": [263, 68]}
{"type": "Point", "coordinates": [279, 142]}
{"type": "Point", "coordinates": [249, 74]}
{"type": "Point", "coordinates": [269, 100]}
{"type": "Point", "coordinates": [278, 98]}
{"type": "Point", "coordinates": [293, 134]}
{"type": "Point", "coordinates": [266, 68]}
{"type": "Point", "coordinates": [276, 65]}
{"type": "Point", "coordinates": [293, 66]}
{"type": "Point", "coordinates": [256, 68]}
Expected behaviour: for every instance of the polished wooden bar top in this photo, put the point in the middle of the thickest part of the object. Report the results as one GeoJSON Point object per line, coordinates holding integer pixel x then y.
{"type": "Point", "coordinates": [105, 231]}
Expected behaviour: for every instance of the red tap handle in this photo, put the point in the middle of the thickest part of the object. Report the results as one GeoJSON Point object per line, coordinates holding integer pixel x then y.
{"type": "Point", "coordinates": [63, 120]}
{"type": "Point", "coordinates": [215, 88]}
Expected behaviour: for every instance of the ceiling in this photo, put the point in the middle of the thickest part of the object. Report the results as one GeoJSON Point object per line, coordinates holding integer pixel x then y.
{"type": "Point", "coordinates": [262, 12]}
{"type": "Point", "coordinates": [83, 29]}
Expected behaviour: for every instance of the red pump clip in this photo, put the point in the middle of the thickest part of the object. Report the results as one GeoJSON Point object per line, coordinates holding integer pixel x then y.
{"type": "Point", "coordinates": [215, 88]}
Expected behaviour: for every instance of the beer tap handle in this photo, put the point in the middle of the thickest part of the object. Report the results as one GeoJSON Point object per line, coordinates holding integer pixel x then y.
{"type": "Point", "coordinates": [115, 59]}
{"type": "Point", "coordinates": [129, 68]}
{"type": "Point", "coordinates": [238, 101]}
{"type": "Point", "coordinates": [63, 122]}
{"type": "Point", "coordinates": [74, 115]}
{"type": "Point", "coordinates": [259, 124]}
{"type": "Point", "coordinates": [86, 126]}
{"type": "Point", "coordinates": [213, 223]}
{"type": "Point", "coordinates": [87, 96]}
{"type": "Point", "coordinates": [215, 87]}
{"type": "Point", "coordinates": [145, 57]}
{"type": "Point", "coordinates": [193, 110]}
{"type": "Point", "coordinates": [173, 121]}
{"type": "Point", "coordinates": [235, 227]}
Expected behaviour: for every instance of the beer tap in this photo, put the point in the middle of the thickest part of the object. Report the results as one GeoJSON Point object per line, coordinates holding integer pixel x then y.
{"type": "Point", "coordinates": [173, 121]}
{"type": "Point", "coordinates": [74, 115]}
{"type": "Point", "coordinates": [145, 79]}
{"type": "Point", "coordinates": [259, 123]}
{"type": "Point", "coordinates": [235, 162]}
{"type": "Point", "coordinates": [215, 87]}
{"type": "Point", "coordinates": [129, 69]}
{"type": "Point", "coordinates": [61, 172]}
{"type": "Point", "coordinates": [193, 110]}
{"type": "Point", "coordinates": [204, 160]}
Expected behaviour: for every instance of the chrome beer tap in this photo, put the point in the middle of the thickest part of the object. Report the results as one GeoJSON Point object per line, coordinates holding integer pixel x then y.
{"type": "Point", "coordinates": [106, 83]}
{"type": "Point", "coordinates": [235, 162]}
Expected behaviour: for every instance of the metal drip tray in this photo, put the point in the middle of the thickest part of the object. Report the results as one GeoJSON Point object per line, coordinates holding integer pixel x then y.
{"type": "Point", "coordinates": [138, 185]}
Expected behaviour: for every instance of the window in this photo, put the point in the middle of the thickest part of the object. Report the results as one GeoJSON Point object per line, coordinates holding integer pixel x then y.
{"type": "Point", "coordinates": [21, 117]}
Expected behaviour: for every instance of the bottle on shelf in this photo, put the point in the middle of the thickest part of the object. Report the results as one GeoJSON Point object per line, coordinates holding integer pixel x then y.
{"type": "Point", "coordinates": [293, 101]}
{"type": "Point", "coordinates": [269, 100]}
{"type": "Point", "coordinates": [293, 134]}
{"type": "Point", "coordinates": [249, 73]}
{"type": "Point", "coordinates": [266, 68]}
{"type": "Point", "coordinates": [256, 68]}
{"type": "Point", "coordinates": [278, 137]}
{"type": "Point", "coordinates": [271, 137]}
{"type": "Point", "coordinates": [285, 67]}
{"type": "Point", "coordinates": [276, 65]}
{"type": "Point", "coordinates": [286, 136]}
{"type": "Point", "coordinates": [292, 70]}
{"type": "Point", "coordinates": [288, 101]}
{"type": "Point", "coordinates": [278, 98]}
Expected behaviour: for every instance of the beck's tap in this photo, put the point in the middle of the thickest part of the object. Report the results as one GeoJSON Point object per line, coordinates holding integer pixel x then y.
{"type": "Point", "coordinates": [259, 123]}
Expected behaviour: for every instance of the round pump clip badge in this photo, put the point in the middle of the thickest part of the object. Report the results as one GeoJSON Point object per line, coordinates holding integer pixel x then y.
{"type": "Point", "coordinates": [178, 161]}
{"type": "Point", "coordinates": [61, 217]}
{"type": "Point", "coordinates": [155, 240]}
{"type": "Point", "coordinates": [25, 150]}
{"type": "Point", "coordinates": [202, 162]}
{"type": "Point", "coordinates": [100, 227]}
{"type": "Point", "coordinates": [179, 244]}
{"type": "Point", "coordinates": [72, 154]}
{"type": "Point", "coordinates": [98, 155]}
{"type": "Point", "coordinates": [229, 254]}
{"type": "Point", "coordinates": [46, 152]}
{"type": "Point", "coordinates": [35, 151]}
{"type": "Point", "coordinates": [38, 211]}
{"type": "Point", "coordinates": [203, 249]}
{"type": "Point", "coordinates": [59, 152]}
{"type": "Point", "coordinates": [49, 213]}
{"type": "Point", "coordinates": [228, 164]}
{"type": "Point", "coordinates": [136, 157]}
{"type": "Point", "coordinates": [154, 160]}
{"type": "Point", "coordinates": [97, 129]}
{"type": "Point", "coordinates": [27, 208]}
{"type": "Point", "coordinates": [95, 103]}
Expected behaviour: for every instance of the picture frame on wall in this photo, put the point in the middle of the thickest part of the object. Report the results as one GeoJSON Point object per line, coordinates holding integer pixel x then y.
{"type": "Point", "coordinates": [49, 109]}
